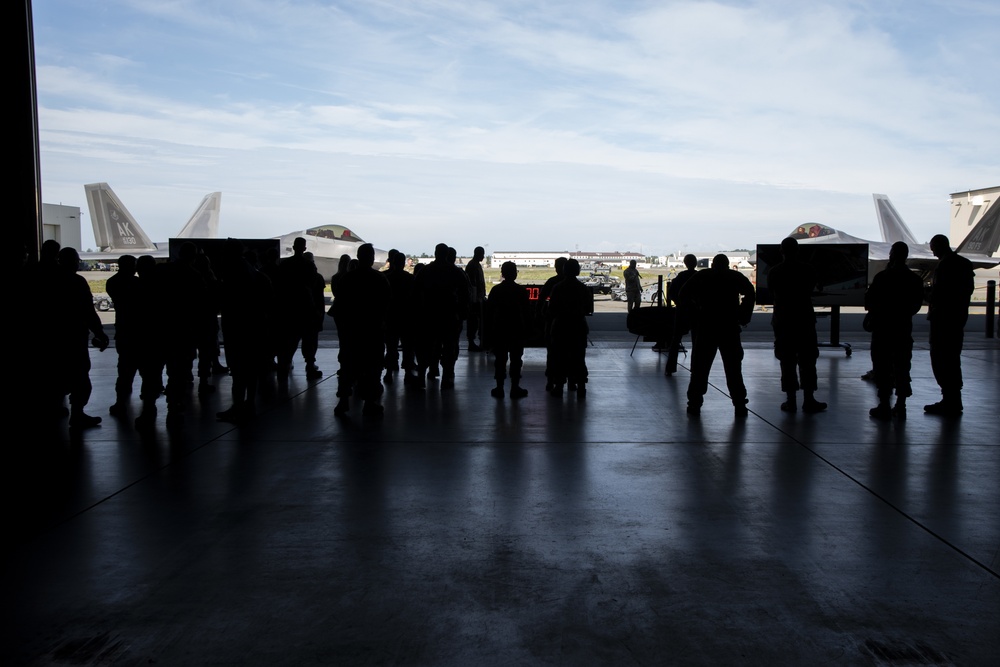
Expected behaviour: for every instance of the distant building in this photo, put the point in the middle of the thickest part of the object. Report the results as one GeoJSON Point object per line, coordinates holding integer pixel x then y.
{"type": "Point", "coordinates": [61, 224]}
{"type": "Point", "coordinates": [548, 258]}
{"type": "Point", "coordinates": [967, 209]}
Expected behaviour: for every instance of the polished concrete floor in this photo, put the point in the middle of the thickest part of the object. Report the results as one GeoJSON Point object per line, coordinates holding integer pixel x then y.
{"type": "Point", "coordinates": [465, 530]}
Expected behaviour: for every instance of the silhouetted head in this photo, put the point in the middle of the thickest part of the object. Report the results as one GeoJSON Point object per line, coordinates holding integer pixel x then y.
{"type": "Point", "coordinates": [49, 252]}
{"type": "Point", "coordinates": [508, 270]}
{"type": "Point", "coordinates": [560, 264]}
{"type": "Point", "coordinates": [940, 245]}
{"type": "Point", "coordinates": [898, 252]}
{"type": "Point", "coordinates": [720, 261]}
{"type": "Point", "coordinates": [187, 252]}
{"type": "Point", "coordinates": [126, 265]}
{"type": "Point", "coordinates": [351, 265]}
{"type": "Point", "coordinates": [344, 264]}
{"type": "Point", "coordinates": [690, 261]}
{"type": "Point", "coordinates": [631, 264]}
{"type": "Point", "coordinates": [366, 255]}
{"type": "Point", "coordinates": [69, 259]}
{"type": "Point", "coordinates": [310, 258]}
{"type": "Point", "coordinates": [299, 245]}
{"type": "Point", "coordinates": [397, 260]}
{"type": "Point", "coordinates": [572, 268]}
{"type": "Point", "coordinates": [789, 247]}
{"type": "Point", "coordinates": [452, 255]}
{"type": "Point", "coordinates": [145, 265]}
{"type": "Point", "coordinates": [479, 253]}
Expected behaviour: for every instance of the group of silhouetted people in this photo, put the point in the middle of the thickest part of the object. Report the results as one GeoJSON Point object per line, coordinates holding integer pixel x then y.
{"type": "Point", "coordinates": [394, 323]}
{"type": "Point", "coordinates": [715, 303]}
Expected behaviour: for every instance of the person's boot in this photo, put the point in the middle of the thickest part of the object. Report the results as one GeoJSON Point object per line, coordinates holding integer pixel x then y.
{"type": "Point", "coordinates": [810, 405]}
{"type": "Point", "coordinates": [790, 404]}
{"type": "Point", "coordinates": [497, 391]}
{"type": "Point", "coordinates": [80, 419]}
{"type": "Point", "coordinates": [881, 411]}
{"type": "Point", "coordinates": [516, 390]}
{"type": "Point", "coordinates": [950, 405]}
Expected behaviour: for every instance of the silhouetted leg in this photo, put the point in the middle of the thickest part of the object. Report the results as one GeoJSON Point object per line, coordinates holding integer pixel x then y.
{"type": "Point", "coordinates": [703, 349]}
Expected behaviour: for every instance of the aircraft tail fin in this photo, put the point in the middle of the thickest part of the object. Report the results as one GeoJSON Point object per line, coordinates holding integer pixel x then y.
{"type": "Point", "coordinates": [984, 238]}
{"type": "Point", "coordinates": [204, 222]}
{"type": "Point", "coordinates": [892, 225]}
{"type": "Point", "coordinates": [114, 227]}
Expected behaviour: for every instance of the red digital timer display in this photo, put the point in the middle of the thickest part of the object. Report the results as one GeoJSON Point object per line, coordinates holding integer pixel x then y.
{"type": "Point", "coordinates": [533, 293]}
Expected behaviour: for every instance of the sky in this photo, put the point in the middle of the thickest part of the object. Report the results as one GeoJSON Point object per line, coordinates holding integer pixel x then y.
{"type": "Point", "coordinates": [658, 127]}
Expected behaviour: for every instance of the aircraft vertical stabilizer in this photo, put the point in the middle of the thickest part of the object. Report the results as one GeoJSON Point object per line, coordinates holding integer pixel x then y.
{"type": "Point", "coordinates": [114, 227]}
{"type": "Point", "coordinates": [985, 236]}
{"type": "Point", "coordinates": [892, 225]}
{"type": "Point", "coordinates": [204, 223]}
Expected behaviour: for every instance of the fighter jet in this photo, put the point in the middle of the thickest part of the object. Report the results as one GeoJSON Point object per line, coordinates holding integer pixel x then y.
{"type": "Point", "coordinates": [327, 243]}
{"type": "Point", "coordinates": [978, 246]}
{"type": "Point", "coordinates": [117, 232]}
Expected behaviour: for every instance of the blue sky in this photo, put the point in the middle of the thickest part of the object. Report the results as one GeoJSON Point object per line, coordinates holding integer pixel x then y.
{"type": "Point", "coordinates": [653, 126]}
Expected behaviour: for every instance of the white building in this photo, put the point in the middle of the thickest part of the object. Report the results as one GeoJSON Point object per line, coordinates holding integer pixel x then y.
{"type": "Point", "coordinates": [548, 258]}
{"type": "Point", "coordinates": [61, 224]}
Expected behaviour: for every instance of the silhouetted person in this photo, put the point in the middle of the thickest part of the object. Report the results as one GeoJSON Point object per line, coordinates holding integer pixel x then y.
{"type": "Point", "coordinates": [314, 323]}
{"type": "Point", "coordinates": [950, 294]}
{"type": "Point", "coordinates": [508, 311]}
{"type": "Point", "coordinates": [721, 302]}
{"type": "Point", "coordinates": [477, 298]}
{"type": "Point", "coordinates": [441, 292]}
{"type": "Point", "coordinates": [123, 288]}
{"type": "Point", "coordinates": [296, 307]}
{"type": "Point", "coordinates": [892, 300]}
{"type": "Point", "coordinates": [398, 320]}
{"type": "Point", "coordinates": [544, 312]}
{"type": "Point", "coordinates": [682, 316]}
{"type": "Point", "coordinates": [152, 333]}
{"type": "Point", "coordinates": [77, 319]}
{"type": "Point", "coordinates": [569, 305]}
{"type": "Point", "coordinates": [792, 283]}
{"type": "Point", "coordinates": [208, 325]}
{"type": "Point", "coordinates": [361, 299]}
{"type": "Point", "coordinates": [185, 302]}
{"type": "Point", "coordinates": [246, 296]}
{"type": "Point", "coordinates": [633, 286]}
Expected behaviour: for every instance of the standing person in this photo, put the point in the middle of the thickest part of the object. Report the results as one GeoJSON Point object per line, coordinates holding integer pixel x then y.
{"type": "Point", "coordinates": [720, 302]}
{"type": "Point", "coordinates": [76, 319]}
{"type": "Point", "coordinates": [441, 292]}
{"type": "Point", "coordinates": [682, 318]}
{"type": "Point", "coordinates": [792, 282]}
{"type": "Point", "coordinates": [951, 291]}
{"type": "Point", "coordinates": [892, 300]}
{"type": "Point", "coordinates": [398, 319]}
{"type": "Point", "coordinates": [123, 288]}
{"type": "Point", "coordinates": [294, 290]}
{"type": "Point", "coordinates": [477, 298]}
{"type": "Point", "coordinates": [508, 321]}
{"type": "Point", "coordinates": [545, 313]}
{"type": "Point", "coordinates": [313, 324]}
{"type": "Point", "coordinates": [184, 306]}
{"type": "Point", "coordinates": [570, 303]}
{"type": "Point", "coordinates": [360, 299]}
{"type": "Point", "coordinates": [633, 286]}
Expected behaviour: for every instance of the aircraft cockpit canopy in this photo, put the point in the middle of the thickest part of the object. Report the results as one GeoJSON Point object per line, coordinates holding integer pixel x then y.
{"type": "Point", "coordinates": [812, 230]}
{"type": "Point", "coordinates": [335, 232]}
